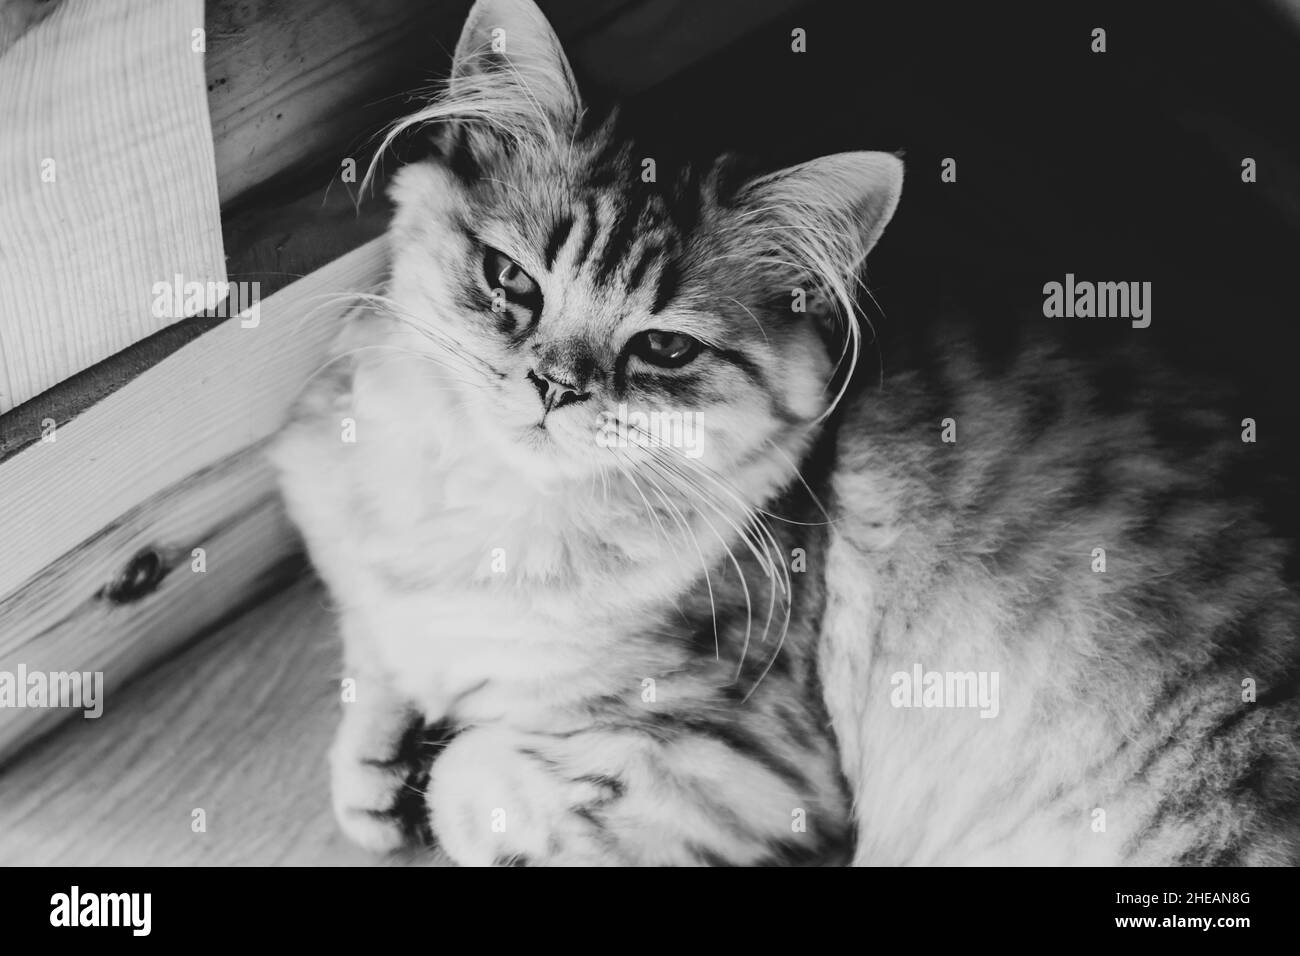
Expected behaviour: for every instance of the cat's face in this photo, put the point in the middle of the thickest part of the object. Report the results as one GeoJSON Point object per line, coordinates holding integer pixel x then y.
{"type": "Point", "coordinates": [588, 308]}
{"type": "Point", "coordinates": [590, 320]}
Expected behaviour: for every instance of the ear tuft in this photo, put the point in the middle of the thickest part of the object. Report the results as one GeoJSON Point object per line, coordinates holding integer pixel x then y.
{"type": "Point", "coordinates": [508, 46]}
{"type": "Point", "coordinates": [816, 222]}
{"type": "Point", "coordinates": [510, 83]}
{"type": "Point", "coordinates": [852, 194]}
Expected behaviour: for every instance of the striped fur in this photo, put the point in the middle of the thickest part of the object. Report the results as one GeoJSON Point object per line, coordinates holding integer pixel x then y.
{"type": "Point", "coordinates": [621, 637]}
{"type": "Point", "coordinates": [1123, 735]}
{"type": "Point", "coordinates": [635, 656]}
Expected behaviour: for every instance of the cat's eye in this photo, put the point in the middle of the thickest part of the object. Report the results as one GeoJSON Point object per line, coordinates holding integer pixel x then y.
{"type": "Point", "coordinates": [502, 272]}
{"type": "Point", "coordinates": [665, 349]}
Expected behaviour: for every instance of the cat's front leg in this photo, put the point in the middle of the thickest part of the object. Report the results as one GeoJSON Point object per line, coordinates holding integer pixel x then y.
{"type": "Point", "coordinates": [376, 752]}
{"type": "Point", "coordinates": [497, 798]}
{"type": "Point", "coordinates": [620, 796]}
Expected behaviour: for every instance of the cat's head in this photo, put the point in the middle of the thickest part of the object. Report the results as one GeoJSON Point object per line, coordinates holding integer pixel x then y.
{"type": "Point", "coordinates": [590, 307]}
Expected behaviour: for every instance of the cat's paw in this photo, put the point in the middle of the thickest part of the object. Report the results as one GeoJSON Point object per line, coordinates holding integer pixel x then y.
{"type": "Point", "coordinates": [366, 795]}
{"type": "Point", "coordinates": [494, 800]}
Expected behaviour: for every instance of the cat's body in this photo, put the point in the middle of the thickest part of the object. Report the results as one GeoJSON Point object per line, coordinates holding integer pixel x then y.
{"type": "Point", "coordinates": [596, 720]}
{"type": "Point", "coordinates": [1124, 733]}
{"type": "Point", "coordinates": [646, 651]}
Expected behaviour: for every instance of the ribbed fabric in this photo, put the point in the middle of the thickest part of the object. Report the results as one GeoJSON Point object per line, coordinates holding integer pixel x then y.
{"type": "Point", "coordinates": [113, 93]}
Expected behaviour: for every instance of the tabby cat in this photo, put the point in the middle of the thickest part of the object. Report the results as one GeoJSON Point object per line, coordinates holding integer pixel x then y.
{"type": "Point", "coordinates": [631, 569]}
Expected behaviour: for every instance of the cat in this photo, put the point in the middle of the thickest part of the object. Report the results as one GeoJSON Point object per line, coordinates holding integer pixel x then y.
{"type": "Point", "coordinates": [577, 638]}
{"type": "Point", "coordinates": [603, 621]}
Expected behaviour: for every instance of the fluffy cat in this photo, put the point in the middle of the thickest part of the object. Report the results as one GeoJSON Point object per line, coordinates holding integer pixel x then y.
{"type": "Point", "coordinates": [604, 618]}
{"type": "Point", "coordinates": [637, 643]}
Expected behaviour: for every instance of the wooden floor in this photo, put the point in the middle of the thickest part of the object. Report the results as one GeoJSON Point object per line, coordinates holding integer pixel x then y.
{"type": "Point", "coordinates": [236, 725]}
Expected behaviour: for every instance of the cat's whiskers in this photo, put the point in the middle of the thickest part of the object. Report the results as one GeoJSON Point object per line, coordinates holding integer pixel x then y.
{"type": "Point", "coordinates": [626, 466]}
{"type": "Point", "coordinates": [627, 473]}
{"type": "Point", "coordinates": [604, 481]}
{"type": "Point", "coordinates": [758, 545]}
{"type": "Point", "coordinates": [761, 542]}
{"type": "Point", "coordinates": [680, 518]}
{"type": "Point", "coordinates": [794, 468]}
{"type": "Point", "coordinates": [767, 561]}
{"type": "Point", "coordinates": [450, 345]}
{"type": "Point", "coordinates": [386, 306]}
{"type": "Point", "coordinates": [731, 555]}
{"type": "Point", "coordinates": [768, 565]}
{"type": "Point", "coordinates": [759, 325]}
{"type": "Point", "coordinates": [696, 465]}
{"type": "Point", "coordinates": [349, 353]}
{"type": "Point", "coordinates": [407, 352]}
{"type": "Point", "coordinates": [681, 461]}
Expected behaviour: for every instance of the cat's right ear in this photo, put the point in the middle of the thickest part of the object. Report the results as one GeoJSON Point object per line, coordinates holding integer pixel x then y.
{"type": "Point", "coordinates": [510, 84]}
{"type": "Point", "coordinates": [510, 58]}
{"type": "Point", "coordinates": [833, 207]}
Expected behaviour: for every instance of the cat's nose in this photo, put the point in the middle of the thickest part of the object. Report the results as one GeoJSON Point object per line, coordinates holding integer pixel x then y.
{"type": "Point", "coordinates": [554, 393]}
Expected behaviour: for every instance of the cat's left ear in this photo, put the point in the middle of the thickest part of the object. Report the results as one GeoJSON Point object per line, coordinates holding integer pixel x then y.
{"type": "Point", "coordinates": [833, 207]}
{"type": "Point", "coordinates": [508, 50]}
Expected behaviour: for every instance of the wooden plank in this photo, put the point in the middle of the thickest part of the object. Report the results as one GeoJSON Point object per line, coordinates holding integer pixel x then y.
{"type": "Point", "coordinates": [282, 242]}
{"type": "Point", "coordinates": [300, 84]}
{"type": "Point", "coordinates": [92, 612]}
{"type": "Point", "coordinates": [294, 83]}
{"type": "Point", "coordinates": [237, 725]}
{"type": "Point", "coordinates": [217, 395]}
{"type": "Point", "coordinates": [274, 247]}
{"type": "Point", "coordinates": [106, 182]}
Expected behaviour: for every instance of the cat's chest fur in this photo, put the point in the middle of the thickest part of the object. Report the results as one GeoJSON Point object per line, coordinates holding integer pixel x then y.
{"type": "Point", "coordinates": [463, 576]}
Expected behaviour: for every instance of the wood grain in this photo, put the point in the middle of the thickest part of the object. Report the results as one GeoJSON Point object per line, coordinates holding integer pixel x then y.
{"type": "Point", "coordinates": [96, 610]}
{"type": "Point", "coordinates": [107, 184]}
{"type": "Point", "coordinates": [279, 243]}
{"type": "Point", "coordinates": [294, 83]}
{"type": "Point", "coordinates": [296, 86]}
{"type": "Point", "coordinates": [219, 394]}
{"type": "Point", "coordinates": [236, 726]}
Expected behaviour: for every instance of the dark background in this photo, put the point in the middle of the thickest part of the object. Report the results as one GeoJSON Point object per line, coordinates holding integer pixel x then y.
{"type": "Point", "coordinates": [1118, 166]}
